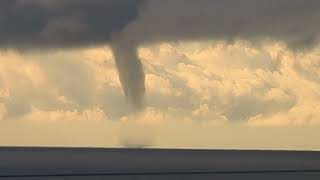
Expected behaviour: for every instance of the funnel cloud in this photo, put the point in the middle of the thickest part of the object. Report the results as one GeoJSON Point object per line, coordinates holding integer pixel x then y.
{"type": "Point", "coordinates": [131, 72]}
{"type": "Point", "coordinates": [124, 25]}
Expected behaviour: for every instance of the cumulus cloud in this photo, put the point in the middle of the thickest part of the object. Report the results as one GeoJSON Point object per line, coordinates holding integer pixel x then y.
{"type": "Point", "coordinates": [259, 82]}
{"type": "Point", "coordinates": [194, 92]}
{"type": "Point", "coordinates": [199, 83]}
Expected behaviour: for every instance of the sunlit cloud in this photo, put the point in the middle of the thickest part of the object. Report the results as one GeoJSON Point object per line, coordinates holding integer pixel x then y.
{"type": "Point", "coordinates": [192, 87]}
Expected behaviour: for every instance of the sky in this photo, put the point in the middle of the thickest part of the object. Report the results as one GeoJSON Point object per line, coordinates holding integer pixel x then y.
{"type": "Point", "coordinates": [205, 74]}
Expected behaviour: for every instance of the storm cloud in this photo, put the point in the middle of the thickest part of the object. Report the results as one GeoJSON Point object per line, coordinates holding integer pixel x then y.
{"type": "Point", "coordinates": [294, 22]}
{"type": "Point", "coordinates": [124, 24]}
{"type": "Point", "coordinates": [62, 23]}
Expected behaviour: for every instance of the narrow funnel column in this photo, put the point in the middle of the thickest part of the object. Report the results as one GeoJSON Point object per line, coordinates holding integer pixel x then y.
{"type": "Point", "coordinates": [131, 73]}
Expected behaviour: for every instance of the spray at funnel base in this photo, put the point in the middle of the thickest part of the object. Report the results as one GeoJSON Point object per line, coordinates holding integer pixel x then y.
{"type": "Point", "coordinates": [131, 73]}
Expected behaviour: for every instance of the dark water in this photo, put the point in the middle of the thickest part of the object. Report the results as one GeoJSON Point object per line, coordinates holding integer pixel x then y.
{"type": "Point", "coordinates": [91, 163]}
{"type": "Point", "coordinates": [249, 176]}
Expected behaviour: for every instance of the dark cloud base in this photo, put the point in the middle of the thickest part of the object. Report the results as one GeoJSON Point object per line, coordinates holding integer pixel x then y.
{"type": "Point", "coordinates": [62, 23]}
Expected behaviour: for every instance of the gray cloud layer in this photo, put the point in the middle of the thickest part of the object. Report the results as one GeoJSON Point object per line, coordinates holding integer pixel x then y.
{"type": "Point", "coordinates": [62, 23]}
{"type": "Point", "coordinates": [292, 21]}
{"type": "Point", "coordinates": [58, 23]}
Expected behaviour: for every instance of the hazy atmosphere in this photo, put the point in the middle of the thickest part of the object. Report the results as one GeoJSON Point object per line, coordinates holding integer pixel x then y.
{"type": "Point", "coordinates": [169, 74]}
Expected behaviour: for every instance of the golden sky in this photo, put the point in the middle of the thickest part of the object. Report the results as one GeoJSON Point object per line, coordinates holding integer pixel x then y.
{"type": "Point", "coordinates": [205, 94]}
